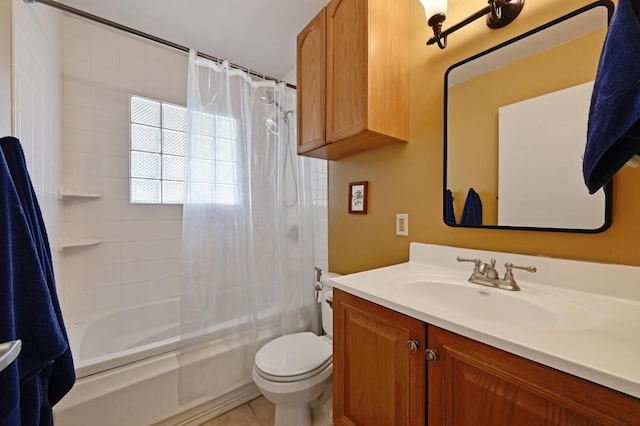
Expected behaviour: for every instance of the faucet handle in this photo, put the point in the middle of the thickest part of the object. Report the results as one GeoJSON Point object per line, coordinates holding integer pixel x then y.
{"type": "Point", "coordinates": [510, 267]}
{"type": "Point", "coordinates": [476, 261]}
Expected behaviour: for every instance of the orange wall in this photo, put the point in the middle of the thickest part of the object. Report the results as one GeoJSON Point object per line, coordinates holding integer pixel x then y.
{"type": "Point", "coordinates": [408, 178]}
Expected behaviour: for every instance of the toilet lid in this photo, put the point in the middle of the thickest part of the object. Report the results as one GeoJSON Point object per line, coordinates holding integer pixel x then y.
{"type": "Point", "coordinates": [292, 356]}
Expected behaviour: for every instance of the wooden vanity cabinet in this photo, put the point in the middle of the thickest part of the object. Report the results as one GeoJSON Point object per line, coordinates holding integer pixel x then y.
{"type": "Point", "coordinates": [353, 89]}
{"type": "Point", "coordinates": [475, 384]}
{"type": "Point", "coordinates": [377, 380]}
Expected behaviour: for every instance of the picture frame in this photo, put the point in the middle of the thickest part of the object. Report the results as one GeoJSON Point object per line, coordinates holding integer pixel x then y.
{"type": "Point", "coordinates": [358, 197]}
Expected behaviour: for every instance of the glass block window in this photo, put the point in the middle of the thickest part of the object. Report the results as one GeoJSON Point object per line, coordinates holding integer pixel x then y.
{"type": "Point", "coordinates": [158, 149]}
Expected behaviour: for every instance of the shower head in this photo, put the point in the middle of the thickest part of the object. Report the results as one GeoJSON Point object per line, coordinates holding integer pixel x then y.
{"type": "Point", "coordinates": [267, 98]}
{"type": "Point", "coordinates": [271, 125]}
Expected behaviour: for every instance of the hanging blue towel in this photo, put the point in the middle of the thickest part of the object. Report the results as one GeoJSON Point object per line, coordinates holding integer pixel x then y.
{"type": "Point", "coordinates": [472, 213]}
{"type": "Point", "coordinates": [44, 367]}
{"type": "Point", "coordinates": [449, 213]}
{"type": "Point", "coordinates": [14, 238]}
{"type": "Point", "coordinates": [613, 133]}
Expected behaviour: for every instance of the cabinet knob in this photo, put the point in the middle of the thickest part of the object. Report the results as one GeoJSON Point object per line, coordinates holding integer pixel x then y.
{"type": "Point", "coordinates": [413, 345]}
{"type": "Point", "coordinates": [431, 355]}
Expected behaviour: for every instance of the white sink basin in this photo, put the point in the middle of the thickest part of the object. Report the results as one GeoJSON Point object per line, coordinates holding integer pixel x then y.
{"type": "Point", "coordinates": [527, 308]}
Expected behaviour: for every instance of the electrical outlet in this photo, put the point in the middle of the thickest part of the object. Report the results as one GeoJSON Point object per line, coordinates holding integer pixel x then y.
{"type": "Point", "coordinates": [402, 224]}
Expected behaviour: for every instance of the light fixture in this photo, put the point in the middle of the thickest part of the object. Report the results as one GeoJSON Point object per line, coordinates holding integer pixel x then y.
{"type": "Point", "coordinates": [499, 13]}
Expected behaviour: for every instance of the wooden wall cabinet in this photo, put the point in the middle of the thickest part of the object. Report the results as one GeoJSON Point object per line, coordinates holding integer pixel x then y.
{"type": "Point", "coordinates": [377, 382]}
{"type": "Point", "coordinates": [353, 89]}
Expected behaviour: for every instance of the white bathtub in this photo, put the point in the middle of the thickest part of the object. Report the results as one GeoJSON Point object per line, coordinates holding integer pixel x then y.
{"type": "Point", "coordinates": [108, 340]}
{"type": "Point", "coordinates": [127, 377]}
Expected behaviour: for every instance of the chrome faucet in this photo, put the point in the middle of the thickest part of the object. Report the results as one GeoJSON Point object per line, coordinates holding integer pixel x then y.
{"type": "Point", "coordinates": [486, 274]}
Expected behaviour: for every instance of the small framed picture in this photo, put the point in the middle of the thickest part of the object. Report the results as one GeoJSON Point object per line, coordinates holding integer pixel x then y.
{"type": "Point", "coordinates": [358, 197]}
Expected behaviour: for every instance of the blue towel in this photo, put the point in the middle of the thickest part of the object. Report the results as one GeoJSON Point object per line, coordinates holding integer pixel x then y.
{"type": "Point", "coordinates": [45, 366]}
{"type": "Point", "coordinates": [613, 132]}
{"type": "Point", "coordinates": [17, 240]}
{"type": "Point", "coordinates": [449, 213]}
{"type": "Point", "coordinates": [472, 213]}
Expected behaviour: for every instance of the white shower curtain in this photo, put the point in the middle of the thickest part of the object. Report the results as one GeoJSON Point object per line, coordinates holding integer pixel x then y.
{"type": "Point", "coordinates": [247, 243]}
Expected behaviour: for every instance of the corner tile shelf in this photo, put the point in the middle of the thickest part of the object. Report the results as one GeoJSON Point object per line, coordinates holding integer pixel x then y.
{"type": "Point", "coordinates": [68, 242]}
{"type": "Point", "coordinates": [67, 193]}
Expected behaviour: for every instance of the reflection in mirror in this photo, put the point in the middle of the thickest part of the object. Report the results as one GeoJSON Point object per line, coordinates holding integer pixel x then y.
{"type": "Point", "coordinates": [516, 126]}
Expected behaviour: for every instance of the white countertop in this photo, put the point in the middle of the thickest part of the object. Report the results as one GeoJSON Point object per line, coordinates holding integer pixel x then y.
{"type": "Point", "coordinates": [598, 334]}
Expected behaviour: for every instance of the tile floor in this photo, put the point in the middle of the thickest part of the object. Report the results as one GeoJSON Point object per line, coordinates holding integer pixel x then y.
{"type": "Point", "coordinates": [260, 412]}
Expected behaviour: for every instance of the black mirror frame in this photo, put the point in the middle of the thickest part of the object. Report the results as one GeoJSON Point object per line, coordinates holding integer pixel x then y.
{"type": "Point", "coordinates": [608, 188]}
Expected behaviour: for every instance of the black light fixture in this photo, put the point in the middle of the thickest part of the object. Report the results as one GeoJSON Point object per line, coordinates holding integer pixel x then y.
{"type": "Point", "coordinates": [499, 13]}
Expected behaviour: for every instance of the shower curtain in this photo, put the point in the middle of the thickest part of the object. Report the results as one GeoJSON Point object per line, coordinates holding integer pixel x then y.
{"type": "Point", "coordinates": [247, 243]}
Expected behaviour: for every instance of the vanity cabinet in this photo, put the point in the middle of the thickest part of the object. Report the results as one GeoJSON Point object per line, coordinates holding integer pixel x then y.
{"type": "Point", "coordinates": [353, 89]}
{"type": "Point", "coordinates": [471, 383]}
{"type": "Point", "coordinates": [377, 379]}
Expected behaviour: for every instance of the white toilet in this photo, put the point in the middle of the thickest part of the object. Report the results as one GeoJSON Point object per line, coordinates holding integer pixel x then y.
{"type": "Point", "coordinates": [293, 370]}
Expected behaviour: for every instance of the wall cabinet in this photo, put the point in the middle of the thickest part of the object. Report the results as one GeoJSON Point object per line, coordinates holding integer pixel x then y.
{"type": "Point", "coordinates": [352, 67]}
{"type": "Point", "coordinates": [377, 379]}
{"type": "Point", "coordinates": [469, 383]}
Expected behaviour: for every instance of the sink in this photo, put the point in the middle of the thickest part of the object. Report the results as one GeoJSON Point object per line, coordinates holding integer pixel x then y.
{"type": "Point", "coordinates": [527, 308]}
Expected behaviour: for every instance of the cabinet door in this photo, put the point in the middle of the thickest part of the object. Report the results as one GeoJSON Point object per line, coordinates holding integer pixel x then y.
{"type": "Point", "coordinates": [347, 47]}
{"type": "Point", "coordinates": [312, 71]}
{"type": "Point", "coordinates": [376, 379]}
{"type": "Point", "coordinates": [474, 384]}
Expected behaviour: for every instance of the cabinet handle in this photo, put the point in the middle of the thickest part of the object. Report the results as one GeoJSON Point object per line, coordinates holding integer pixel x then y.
{"type": "Point", "coordinates": [431, 355]}
{"type": "Point", "coordinates": [329, 301]}
{"type": "Point", "coordinates": [413, 345]}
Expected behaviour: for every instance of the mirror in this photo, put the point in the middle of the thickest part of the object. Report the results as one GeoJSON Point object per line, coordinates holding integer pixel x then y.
{"type": "Point", "coordinates": [515, 130]}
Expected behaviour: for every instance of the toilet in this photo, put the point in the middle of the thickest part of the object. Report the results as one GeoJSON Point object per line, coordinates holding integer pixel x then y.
{"type": "Point", "coordinates": [292, 371]}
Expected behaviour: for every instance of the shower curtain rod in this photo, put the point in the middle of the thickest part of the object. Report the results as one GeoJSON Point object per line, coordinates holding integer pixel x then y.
{"type": "Point", "coordinates": [153, 38]}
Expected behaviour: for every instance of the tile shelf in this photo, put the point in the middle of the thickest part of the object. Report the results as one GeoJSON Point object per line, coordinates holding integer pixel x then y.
{"type": "Point", "coordinates": [68, 242]}
{"type": "Point", "coordinates": [67, 193]}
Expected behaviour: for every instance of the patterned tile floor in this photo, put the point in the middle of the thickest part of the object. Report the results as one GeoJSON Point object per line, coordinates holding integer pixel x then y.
{"type": "Point", "coordinates": [260, 412]}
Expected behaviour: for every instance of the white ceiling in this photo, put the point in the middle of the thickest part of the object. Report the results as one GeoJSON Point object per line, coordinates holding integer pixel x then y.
{"type": "Point", "coordinates": [257, 34]}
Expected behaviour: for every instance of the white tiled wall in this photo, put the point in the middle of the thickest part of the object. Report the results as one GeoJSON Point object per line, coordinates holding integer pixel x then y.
{"type": "Point", "coordinates": [138, 260]}
{"type": "Point", "coordinates": [319, 190]}
{"type": "Point", "coordinates": [37, 105]}
{"type": "Point", "coordinates": [6, 68]}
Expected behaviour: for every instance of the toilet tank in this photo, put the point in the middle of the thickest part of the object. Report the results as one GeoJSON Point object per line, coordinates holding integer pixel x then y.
{"type": "Point", "coordinates": [327, 311]}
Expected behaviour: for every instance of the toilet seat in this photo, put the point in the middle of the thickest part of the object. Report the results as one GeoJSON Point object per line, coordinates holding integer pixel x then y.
{"type": "Point", "coordinates": [294, 357]}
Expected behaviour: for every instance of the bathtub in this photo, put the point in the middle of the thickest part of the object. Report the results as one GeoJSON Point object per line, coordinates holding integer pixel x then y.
{"type": "Point", "coordinates": [127, 366]}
